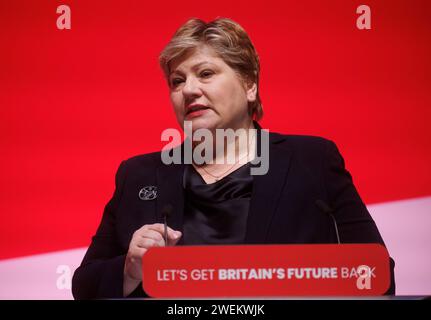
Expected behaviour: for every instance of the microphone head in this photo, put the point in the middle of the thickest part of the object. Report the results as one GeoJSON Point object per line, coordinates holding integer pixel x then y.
{"type": "Point", "coordinates": [167, 210]}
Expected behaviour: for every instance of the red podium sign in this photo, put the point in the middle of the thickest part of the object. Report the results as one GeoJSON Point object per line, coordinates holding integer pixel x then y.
{"type": "Point", "coordinates": [266, 270]}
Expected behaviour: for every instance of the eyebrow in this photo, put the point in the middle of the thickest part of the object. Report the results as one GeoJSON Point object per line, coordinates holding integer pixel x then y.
{"type": "Point", "coordinates": [195, 67]}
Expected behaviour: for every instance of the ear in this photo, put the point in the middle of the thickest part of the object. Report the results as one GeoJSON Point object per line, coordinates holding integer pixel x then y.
{"type": "Point", "coordinates": [251, 92]}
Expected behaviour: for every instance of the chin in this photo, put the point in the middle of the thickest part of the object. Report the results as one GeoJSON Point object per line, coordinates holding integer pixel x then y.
{"type": "Point", "coordinates": [203, 123]}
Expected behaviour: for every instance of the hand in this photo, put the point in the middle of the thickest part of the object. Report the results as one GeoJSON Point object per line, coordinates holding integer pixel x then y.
{"type": "Point", "coordinates": [150, 235]}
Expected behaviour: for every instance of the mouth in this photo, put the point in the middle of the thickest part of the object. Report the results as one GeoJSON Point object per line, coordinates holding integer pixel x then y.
{"type": "Point", "coordinates": [196, 110]}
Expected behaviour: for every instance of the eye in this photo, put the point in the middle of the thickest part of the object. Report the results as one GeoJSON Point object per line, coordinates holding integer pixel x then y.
{"type": "Point", "coordinates": [206, 73]}
{"type": "Point", "coordinates": [176, 81]}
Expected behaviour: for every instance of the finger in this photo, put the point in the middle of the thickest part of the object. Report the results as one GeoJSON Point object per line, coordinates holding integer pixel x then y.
{"type": "Point", "coordinates": [147, 243]}
{"type": "Point", "coordinates": [151, 234]}
{"type": "Point", "coordinates": [159, 227]}
{"type": "Point", "coordinates": [139, 242]}
{"type": "Point", "coordinates": [154, 226]}
{"type": "Point", "coordinates": [172, 234]}
{"type": "Point", "coordinates": [174, 240]}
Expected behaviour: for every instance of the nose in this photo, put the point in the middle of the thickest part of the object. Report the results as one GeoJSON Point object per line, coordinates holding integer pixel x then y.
{"type": "Point", "coordinates": [191, 88]}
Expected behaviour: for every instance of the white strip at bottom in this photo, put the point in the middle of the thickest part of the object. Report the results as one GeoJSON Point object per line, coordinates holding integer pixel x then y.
{"type": "Point", "coordinates": [405, 226]}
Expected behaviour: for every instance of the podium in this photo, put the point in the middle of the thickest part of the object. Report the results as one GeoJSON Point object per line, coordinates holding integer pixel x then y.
{"type": "Point", "coordinates": [310, 270]}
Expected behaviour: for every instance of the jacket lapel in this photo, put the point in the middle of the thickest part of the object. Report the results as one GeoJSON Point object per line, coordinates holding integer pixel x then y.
{"type": "Point", "coordinates": [267, 191]}
{"type": "Point", "coordinates": [171, 192]}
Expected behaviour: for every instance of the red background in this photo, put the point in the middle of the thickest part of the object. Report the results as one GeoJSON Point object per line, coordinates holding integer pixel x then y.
{"type": "Point", "coordinates": [74, 103]}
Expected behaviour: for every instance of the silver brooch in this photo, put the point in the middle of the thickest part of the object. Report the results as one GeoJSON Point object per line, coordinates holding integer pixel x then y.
{"type": "Point", "coordinates": [148, 193]}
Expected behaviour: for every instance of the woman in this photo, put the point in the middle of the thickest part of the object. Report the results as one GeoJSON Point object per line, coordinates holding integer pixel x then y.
{"type": "Point", "coordinates": [212, 71]}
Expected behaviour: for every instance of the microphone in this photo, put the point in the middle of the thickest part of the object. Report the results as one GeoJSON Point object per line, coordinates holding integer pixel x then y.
{"type": "Point", "coordinates": [166, 212]}
{"type": "Point", "coordinates": [328, 210]}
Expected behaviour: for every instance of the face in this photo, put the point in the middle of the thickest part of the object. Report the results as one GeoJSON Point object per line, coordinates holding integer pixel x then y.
{"type": "Point", "coordinates": [206, 91]}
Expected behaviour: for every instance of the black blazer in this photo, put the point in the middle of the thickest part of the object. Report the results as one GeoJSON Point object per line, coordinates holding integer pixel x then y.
{"type": "Point", "coordinates": [283, 210]}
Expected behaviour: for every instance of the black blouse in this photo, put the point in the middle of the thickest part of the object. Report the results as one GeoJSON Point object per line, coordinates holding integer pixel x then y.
{"type": "Point", "coordinates": [216, 213]}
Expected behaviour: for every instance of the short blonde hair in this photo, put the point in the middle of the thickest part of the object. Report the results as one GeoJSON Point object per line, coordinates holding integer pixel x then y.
{"type": "Point", "coordinates": [228, 39]}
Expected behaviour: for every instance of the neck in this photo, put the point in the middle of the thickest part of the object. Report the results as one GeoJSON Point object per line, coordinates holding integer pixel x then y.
{"type": "Point", "coordinates": [228, 150]}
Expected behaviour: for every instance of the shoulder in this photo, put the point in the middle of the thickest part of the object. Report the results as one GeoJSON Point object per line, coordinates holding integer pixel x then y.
{"type": "Point", "coordinates": [303, 144]}
{"type": "Point", "coordinates": [149, 160]}
{"type": "Point", "coordinates": [309, 151]}
{"type": "Point", "coordinates": [139, 165]}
